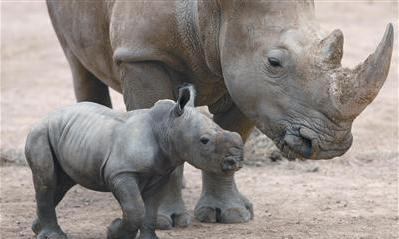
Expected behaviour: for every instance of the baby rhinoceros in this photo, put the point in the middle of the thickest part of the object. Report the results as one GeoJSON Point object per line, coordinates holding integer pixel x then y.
{"type": "Point", "coordinates": [130, 154]}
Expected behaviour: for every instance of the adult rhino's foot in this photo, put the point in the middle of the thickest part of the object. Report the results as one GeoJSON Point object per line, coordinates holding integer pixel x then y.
{"type": "Point", "coordinates": [172, 211]}
{"type": "Point", "coordinates": [221, 201]}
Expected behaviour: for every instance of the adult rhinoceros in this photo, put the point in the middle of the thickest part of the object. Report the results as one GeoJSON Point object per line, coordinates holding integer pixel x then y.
{"type": "Point", "coordinates": [254, 63]}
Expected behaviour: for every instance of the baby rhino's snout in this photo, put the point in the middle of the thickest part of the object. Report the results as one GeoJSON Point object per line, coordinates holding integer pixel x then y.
{"type": "Point", "coordinates": [233, 153]}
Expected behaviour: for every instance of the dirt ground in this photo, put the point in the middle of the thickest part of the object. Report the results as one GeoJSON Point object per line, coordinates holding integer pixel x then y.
{"type": "Point", "coordinates": [354, 196]}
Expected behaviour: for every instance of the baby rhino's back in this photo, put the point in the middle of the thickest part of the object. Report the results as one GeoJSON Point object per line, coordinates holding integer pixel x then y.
{"type": "Point", "coordinates": [81, 137]}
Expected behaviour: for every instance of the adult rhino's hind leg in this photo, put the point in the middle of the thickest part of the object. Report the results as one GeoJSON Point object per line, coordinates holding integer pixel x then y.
{"type": "Point", "coordinates": [220, 199]}
{"type": "Point", "coordinates": [45, 179]}
{"type": "Point", "coordinates": [87, 86]}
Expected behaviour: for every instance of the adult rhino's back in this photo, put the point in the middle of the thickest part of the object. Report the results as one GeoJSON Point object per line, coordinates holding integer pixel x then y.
{"type": "Point", "coordinates": [100, 34]}
{"type": "Point", "coordinates": [82, 28]}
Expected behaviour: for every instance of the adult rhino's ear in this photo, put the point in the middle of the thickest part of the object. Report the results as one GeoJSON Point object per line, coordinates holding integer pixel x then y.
{"type": "Point", "coordinates": [186, 97]}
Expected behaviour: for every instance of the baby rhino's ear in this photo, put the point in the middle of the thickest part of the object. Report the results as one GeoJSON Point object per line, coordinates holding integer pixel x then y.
{"type": "Point", "coordinates": [186, 97]}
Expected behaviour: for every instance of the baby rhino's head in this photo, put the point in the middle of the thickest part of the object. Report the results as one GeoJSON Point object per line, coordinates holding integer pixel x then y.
{"type": "Point", "coordinates": [197, 139]}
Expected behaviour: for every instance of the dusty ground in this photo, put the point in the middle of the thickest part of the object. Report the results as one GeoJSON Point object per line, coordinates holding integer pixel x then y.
{"type": "Point", "coordinates": [355, 196]}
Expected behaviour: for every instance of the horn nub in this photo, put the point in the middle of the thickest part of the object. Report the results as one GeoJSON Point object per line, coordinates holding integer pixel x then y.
{"type": "Point", "coordinates": [332, 47]}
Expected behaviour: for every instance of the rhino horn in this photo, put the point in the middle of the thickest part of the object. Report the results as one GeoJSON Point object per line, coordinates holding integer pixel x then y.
{"type": "Point", "coordinates": [332, 47]}
{"type": "Point", "coordinates": [353, 90]}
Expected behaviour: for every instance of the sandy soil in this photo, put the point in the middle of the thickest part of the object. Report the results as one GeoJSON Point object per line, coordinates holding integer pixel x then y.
{"type": "Point", "coordinates": [354, 196]}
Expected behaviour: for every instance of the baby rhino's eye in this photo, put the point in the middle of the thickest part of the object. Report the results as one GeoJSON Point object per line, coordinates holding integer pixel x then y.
{"type": "Point", "coordinates": [204, 140]}
{"type": "Point", "coordinates": [274, 62]}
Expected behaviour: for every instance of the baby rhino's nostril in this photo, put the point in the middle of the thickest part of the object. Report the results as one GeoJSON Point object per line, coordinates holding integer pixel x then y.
{"type": "Point", "coordinates": [204, 140]}
{"type": "Point", "coordinates": [229, 164]}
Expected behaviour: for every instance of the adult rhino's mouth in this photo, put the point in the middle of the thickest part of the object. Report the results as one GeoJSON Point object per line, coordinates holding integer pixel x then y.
{"type": "Point", "coordinates": [294, 145]}
{"type": "Point", "coordinates": [302, 142]}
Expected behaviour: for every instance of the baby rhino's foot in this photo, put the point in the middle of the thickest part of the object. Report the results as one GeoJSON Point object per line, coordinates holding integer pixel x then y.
{"type": "Point", "coordinates": [118, 230]}
{"type": "Point", "coordinates": [51, 233]}
{"type": "Point", "coordinates": [148, 235]}
{"type": "Point", "coordinates": [47, 232]}
{"type": "Point", "coordinates": [36, 226]}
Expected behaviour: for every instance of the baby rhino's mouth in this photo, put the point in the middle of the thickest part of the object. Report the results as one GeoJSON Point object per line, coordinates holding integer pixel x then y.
{"type": "Point", "coordinates": [233, 160]}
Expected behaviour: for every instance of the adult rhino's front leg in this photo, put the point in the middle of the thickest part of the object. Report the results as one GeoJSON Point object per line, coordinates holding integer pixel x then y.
{"type": "Point", "coordinates": [172, 211]}
{"type": "Point", "coordinates": [220, 199]}
{"type": "Point", "coordinates": [143, 84]}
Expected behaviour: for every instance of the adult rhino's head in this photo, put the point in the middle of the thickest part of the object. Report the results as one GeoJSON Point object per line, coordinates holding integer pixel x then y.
{"type": "Point", "coordinates": [285, 74]}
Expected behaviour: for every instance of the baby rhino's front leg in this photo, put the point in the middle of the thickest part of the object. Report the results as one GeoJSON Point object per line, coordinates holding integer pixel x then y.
{"type": "Point", "coordinates": [126, 190]}
{"type": "Point", "coordinates": [147, 229]}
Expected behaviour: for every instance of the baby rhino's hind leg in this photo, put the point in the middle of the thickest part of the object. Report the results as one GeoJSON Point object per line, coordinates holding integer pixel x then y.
{"type": "Point", "coordinates": [64, 183]}
{"type": "Point", "coordinates": [49, 183]}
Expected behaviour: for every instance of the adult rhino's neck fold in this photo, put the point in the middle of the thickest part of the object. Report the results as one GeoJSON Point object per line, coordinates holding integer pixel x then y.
{"type": "Point", "coordinates": [207, 24]}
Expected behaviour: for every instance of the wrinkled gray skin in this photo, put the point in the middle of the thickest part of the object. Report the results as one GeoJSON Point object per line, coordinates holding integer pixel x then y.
{"type": "Point", "coordinates": [129, 154]}
{"type": "Point", "coordinates": [263, 63]}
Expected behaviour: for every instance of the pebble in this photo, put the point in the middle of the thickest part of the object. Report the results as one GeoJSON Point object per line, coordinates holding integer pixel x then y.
{"type": "Point", "coordinates": [313, 169]}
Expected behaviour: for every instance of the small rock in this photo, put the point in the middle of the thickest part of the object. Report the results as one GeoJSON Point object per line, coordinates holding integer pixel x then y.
{"type": "Point", "coordinates": [325, 208]}
{"type": "Point", "coordinates": [313, 169]}
{"type": "Point", "coordinates": [275, 156]}
{"type": "Point", "coordinates": [287, 237]}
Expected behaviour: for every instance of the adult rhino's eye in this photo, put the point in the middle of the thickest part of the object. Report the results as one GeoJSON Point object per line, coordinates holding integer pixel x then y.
{"type": "Point", "coordinates": [204, 140]}
{"type": "Point", "coordinates": [274, 62]}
